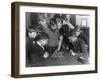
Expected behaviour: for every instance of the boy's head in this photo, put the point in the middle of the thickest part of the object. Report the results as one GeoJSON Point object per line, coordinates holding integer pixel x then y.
{"type": "Point", "coordinates": [72, 37]}
{"type": "Point", "coordinates": [77, 31]}
{"type": "Point", "coordinates": [53, 24]}
{"type": "Point", "coordinates": [42, 38]}
{"type": "Point", "coordinates": [42, 19]}
{"type": "Point", "coordinates": [57, 17]}
{"type": "Point", "coordinates": [32, 33]}
{"type": "Point", "coordinates": [65, 19]}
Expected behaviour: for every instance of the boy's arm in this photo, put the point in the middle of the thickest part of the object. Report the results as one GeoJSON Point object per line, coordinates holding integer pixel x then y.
{"type": "Point", "coordinates": [72, 53]}
{"type": "Point", "coordinates": [84, 49]}
{"type": "Point", "coordinates": [45, 55]}
{"type": "Point", "coordinates": [70, 25]}
{"type": "Point", "coordinates": [60, 42]}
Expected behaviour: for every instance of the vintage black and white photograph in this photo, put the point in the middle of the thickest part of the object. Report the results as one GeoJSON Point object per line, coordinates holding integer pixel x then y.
{"type": "Point", "coordinates": [54, 39]}
{"type": "Point", "coordinates": [51, 39]}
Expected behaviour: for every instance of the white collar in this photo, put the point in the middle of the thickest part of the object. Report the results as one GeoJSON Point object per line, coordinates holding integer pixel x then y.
{"type": "Point", "coordinates": [40, 45]}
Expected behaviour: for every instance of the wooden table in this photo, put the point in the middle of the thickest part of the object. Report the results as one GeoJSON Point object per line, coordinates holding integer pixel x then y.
{"type": "Point", "coordinates": [67, 59]}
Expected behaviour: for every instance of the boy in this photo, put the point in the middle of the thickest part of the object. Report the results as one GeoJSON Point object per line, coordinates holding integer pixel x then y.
{"type": "Point", "coordinates": [30, 40]}
{"type": "Point", "coordinates": [37, 53]}
{"type": "Point", "coordinates": [84, 35]}
{"type": "Point", "coordinates": [65, 20]}
{"type": "Point", "coordinates": [57, 17]}
{"type": "Point", "coordinates": [53, 34]}
{"type": "Point", "coordinates": [78, 48]}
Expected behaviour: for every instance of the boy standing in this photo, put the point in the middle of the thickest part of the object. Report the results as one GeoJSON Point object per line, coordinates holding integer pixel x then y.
{"type": "Point", "coordinates": [30, 40]}
{"type": "Point", "coordinates": [53, 34]}
{"type": "Point", "coordinates": [37, 53]}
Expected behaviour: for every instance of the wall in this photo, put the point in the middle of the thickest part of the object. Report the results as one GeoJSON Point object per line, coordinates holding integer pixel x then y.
{"type": "Point", "coordinates": [82, 20]}
{"type": "Point", "coordinates": [5, 40]}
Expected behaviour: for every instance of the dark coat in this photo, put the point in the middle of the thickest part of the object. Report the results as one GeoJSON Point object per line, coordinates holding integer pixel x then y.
{"type": "Point", "coordinates": [36, 55]}
{"type": "Point", "coordinates": [29, 43]}
{"type": "Point", "coordinates": [79, 47]}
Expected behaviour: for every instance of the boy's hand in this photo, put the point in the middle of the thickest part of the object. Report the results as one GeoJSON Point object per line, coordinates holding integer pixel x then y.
{"type": "Point", "coordinates": [46, 54]}
{"type": "Point", "coordinates": [72, 53]}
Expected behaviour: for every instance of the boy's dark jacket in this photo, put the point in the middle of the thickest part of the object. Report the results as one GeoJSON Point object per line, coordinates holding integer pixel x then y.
{"type": "Point", "coordinates": [36, 54]}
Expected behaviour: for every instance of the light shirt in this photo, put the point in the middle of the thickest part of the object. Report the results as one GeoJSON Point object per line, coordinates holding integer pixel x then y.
{"type": "Point", "coordinates": [40, 44]}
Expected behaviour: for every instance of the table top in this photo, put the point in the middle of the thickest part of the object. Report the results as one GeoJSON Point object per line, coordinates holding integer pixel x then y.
{"type": "Point", "coordinates": [67, 59]}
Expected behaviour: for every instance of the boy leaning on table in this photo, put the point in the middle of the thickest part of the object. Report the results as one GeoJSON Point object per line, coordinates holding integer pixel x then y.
{"type": "Point", "coordinates": [78, 48]}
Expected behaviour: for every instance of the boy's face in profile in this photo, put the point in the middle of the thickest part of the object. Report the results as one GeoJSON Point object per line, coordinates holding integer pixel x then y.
{"type": "Point", "coordinates": [32, 34]}
{"type": "Point", "coordinates": [42, 21]}
{"type": "Point", "coordinates": [72, 38]}
{"type": "Point", "coordinates": [77, 33]}
{"type": "Point", "coordinates": [44, 42]}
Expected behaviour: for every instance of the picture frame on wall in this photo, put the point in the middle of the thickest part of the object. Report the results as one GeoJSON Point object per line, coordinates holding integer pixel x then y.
{"type": "Point", "coordinates": [53, 39]}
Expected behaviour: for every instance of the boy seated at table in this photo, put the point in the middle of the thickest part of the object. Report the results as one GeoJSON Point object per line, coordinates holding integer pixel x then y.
{"type": "Point", "coordinates": [37, 53]}
{"type": "Point", "coordinates": [78, 48]}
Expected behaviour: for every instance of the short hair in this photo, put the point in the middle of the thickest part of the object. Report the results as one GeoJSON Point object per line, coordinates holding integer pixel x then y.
{"type": "Point", "coordinates": [42, 36]}
{"type": "Point", "coordinates": [57, 16]}
{"type": "Point", "coordinates": [64, 29]}
{"type": "Point", "coordinates": [31, 29]}
{"type": "Point", "coordinates": [52, 21]}
{"type": "Point", "coordinates": [71, 34]}
{"type": "Point", "coordinates": [77, 28]}
{"type": "Point", "coordinates": [63, 16]}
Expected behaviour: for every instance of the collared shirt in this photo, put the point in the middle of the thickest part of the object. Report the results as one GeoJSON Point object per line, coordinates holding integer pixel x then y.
{"type": "Point", "coordinates": [40, 45]}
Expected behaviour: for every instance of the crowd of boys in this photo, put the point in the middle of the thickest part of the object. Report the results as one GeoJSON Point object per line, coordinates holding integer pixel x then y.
{"type": "Point", "coordinates": [51, 38]}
